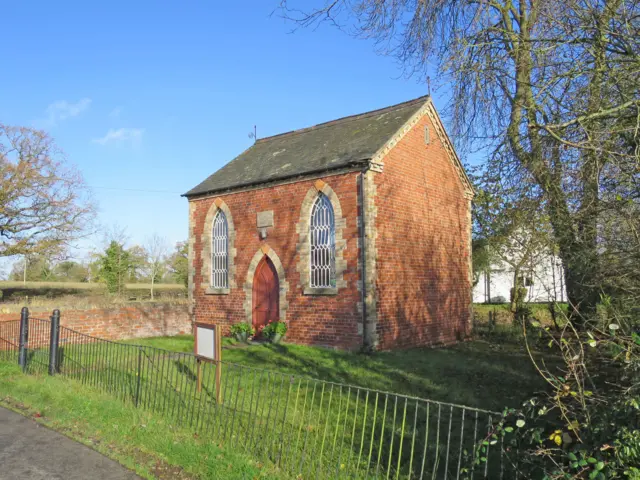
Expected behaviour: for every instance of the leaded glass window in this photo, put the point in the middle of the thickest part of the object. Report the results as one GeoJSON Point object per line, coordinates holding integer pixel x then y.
{"type": "Point", "coordinates": [323, 244]}
{"type": "Point", "coordinates": [220, 252]}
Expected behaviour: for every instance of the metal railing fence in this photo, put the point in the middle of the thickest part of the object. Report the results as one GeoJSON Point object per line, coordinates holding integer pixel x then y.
{"type": "Point", "coordinates": [37, 348]}
{"type": "Point", "coordinates": [9, 340]}
{"type": "Point", "coordinates": [308, 428]}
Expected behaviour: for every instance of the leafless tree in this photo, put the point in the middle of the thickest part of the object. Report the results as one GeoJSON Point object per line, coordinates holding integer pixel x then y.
{"type": "Point", "coordinates": [157, 249]}
{"type": "Point", "coordinates": [548, 86]}
{"type": "Point", "coordinates": [106, 234]}
{"type": "Point", "coordinates": [44, 203]}
{"type": "Point", "coordinates": [515, 235]}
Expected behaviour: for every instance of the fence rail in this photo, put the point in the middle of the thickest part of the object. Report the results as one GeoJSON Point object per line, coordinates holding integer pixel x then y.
{"type": "Point", "coordinates": [308, 428]}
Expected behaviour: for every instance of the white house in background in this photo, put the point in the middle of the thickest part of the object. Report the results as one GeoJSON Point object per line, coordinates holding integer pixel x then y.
{"type": "Point", "coordinates": [543, 279]}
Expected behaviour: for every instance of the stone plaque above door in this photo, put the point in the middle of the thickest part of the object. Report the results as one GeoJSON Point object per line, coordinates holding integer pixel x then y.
{"type": "Point", "coordinates": [265, 219]}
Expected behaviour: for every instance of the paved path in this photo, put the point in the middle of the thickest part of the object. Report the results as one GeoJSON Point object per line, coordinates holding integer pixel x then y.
{"type": "Point", "coordinates": [29, 451]}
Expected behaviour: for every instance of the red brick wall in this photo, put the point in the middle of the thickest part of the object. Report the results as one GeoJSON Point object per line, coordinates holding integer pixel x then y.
{"type": "Point", "coordinates": [120, 323]}
{"type": "Point", "coordinates": [422, 245]}
{"type": "Point", "coordinates": [316, 320]}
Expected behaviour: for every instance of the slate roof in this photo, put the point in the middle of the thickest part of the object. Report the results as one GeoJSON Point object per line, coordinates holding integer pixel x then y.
{"type": "Point", "coordinates": [348, 141]}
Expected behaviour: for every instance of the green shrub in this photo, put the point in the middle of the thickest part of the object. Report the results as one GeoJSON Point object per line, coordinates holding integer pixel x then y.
{"type": "Point", "coordinates": [273, 328]}
{"type": "Point", "coordinates": [587, 423]}
{"type": "Point", "coordinates": [523, 313]}
{"type": "Point", "coordinates": [242, 327]}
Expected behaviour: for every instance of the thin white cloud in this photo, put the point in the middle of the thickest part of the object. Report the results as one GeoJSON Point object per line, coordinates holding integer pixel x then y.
{"type": "Point", "coordinates": [61, 110]}
{"type": "Point", "coordinates": [121, 135]}
{"type": "Point", "coordinates": [115, 113]}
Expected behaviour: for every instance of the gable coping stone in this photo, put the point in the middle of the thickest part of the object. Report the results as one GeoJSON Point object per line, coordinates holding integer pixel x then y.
{"type": "Point", "coordinates": [377, 161]}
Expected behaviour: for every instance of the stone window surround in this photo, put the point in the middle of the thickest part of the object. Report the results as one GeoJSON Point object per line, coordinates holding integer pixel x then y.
{"type": "Point", "coordinates": [304, 247]}
{"type": "Point", "coordinates": [205, 241]}
{"type": "Point", "coordinates": [267, 251]}
{"type": "Point", "coordinates": [368, 212]}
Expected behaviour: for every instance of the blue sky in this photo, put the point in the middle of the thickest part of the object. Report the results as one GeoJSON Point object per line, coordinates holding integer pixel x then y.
{"type": "Point", "coordinates": [158, 95]}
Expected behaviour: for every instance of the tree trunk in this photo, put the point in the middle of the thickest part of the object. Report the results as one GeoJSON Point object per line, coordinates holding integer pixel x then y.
{"type": "Point", "coordinates": [580, 281]}
{"type": "Point", "coordinates": [580, 252]}
{"type": "Point", "coordinates": [515, 291]}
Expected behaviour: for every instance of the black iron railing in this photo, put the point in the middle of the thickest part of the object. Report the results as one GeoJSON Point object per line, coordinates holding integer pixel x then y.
{"type": "Point", "coordinates": [307, 427]}
{"type": "Point", "coordinates": [9, 340]}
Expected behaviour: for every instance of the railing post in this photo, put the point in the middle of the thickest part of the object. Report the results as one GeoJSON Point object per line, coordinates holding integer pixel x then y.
{"type": "Point", "coordinates": [24, 337]}
{"type": "Point", "coordinates": [138, 376]}
{"type": "Point", "coordinates": [53, 342]}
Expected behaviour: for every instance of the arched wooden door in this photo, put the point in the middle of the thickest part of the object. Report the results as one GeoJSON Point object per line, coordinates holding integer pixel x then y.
{"type": "Point", "coordinates": [266, 294]}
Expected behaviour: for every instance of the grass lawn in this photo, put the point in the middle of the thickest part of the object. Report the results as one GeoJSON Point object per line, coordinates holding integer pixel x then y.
{"type": "Point", "coordinates": [482, 374]}
{"type": "Point", "coordinates": [142, 441]}
{"type": "Point", "coordinates": [540, 311]}
{"type": "Point", "coordinates": [272, 410]}
{"type": "Point", "coordinates": [478, 373]}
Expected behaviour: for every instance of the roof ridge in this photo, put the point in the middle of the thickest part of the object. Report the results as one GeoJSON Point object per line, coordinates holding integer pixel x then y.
{"type": "Point", "coordinates": [347, 118]}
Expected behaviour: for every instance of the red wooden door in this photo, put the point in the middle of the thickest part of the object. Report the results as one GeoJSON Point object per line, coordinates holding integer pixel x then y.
{"type": "Point", "coordinates": [266, 290]}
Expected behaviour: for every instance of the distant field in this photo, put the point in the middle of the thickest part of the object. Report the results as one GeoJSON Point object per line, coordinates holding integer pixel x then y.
{"type": "Point", "coordinates": [83, 295]}
{"type": "Point", "coordinates": [9, 285]}
{"type": "Point", "coordinates": [35, 286]}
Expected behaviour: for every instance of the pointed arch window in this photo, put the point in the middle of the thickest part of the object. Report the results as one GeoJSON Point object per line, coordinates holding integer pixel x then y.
{"type": "Point", "coordinates": [323, 244]}
{"type": "Point", "coordinates": [220, 251]}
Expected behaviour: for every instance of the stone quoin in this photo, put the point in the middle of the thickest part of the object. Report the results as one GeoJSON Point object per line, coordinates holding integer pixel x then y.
{"type": "Point", "coordinates": [365, 225]}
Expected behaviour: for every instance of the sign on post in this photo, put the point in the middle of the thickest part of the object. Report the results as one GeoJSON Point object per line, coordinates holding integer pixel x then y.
{"type": "Point", "coordinates": [208, 348]}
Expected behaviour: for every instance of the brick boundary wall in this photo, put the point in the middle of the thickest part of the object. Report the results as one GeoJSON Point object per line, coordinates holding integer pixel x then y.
{"type": "Point", "coordinates": [121, 323]}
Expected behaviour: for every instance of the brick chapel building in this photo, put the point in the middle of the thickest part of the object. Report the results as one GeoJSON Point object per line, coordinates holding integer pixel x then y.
{"type": "Point", "coordinates": [356, 232]}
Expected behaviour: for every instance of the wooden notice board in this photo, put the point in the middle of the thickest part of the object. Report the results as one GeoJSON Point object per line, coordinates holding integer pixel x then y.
{"type": "Point", "coordinates": [208, 348]}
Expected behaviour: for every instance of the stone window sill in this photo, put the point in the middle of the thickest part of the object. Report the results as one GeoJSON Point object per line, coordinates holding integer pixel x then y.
{"type": "Point", "coordinates": [321, 291]}
{"type": "Point", "coordinates": [216, 291]}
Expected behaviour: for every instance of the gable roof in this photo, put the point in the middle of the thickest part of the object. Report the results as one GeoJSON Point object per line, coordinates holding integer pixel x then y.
{"type": "Point", "coordinates": [346, 142]}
